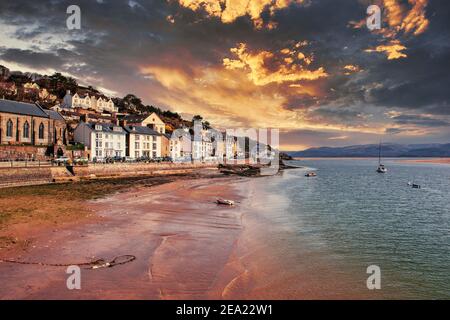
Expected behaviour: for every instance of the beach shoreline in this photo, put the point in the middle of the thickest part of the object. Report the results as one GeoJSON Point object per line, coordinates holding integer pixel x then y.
{"type": "Point", "coordinates": [433, 160]}
{"type": "Point", "coordinates": [172, 228]}
{"type": "Point", "coordinates": [186, 247]}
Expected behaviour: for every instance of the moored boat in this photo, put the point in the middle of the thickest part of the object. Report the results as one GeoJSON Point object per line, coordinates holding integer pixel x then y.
{"type": "Point", "coordinates": [225, 202]}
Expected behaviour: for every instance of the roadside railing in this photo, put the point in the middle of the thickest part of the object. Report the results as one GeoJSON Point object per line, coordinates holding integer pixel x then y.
{"type": "Point", "coordinates": [24, 163]}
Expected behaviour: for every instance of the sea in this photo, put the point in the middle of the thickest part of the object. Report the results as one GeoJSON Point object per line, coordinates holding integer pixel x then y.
{"type": "Point", "coordinates": [322, 237]}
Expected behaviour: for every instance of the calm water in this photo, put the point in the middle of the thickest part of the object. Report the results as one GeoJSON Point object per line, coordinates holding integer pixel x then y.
{"type": "Point", "coordinates": [356, 217]}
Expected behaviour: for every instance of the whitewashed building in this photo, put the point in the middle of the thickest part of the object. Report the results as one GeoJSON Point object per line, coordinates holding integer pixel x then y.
{"type": "Point", "coordinates": [142, 142]}
{"type": "Point", "coordinates": [101, 104]}
{"type": "Point", "coordinates": [181, 145]}
{"type": "Point", "coordinates": [102, 139]}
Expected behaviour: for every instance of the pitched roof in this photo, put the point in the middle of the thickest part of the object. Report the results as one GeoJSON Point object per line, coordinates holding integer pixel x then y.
{"type": "Point", "coordinates": [55, 115]}
{"type": "Point", "coordinates": [141, 130]}
{"type": "Point", "coordinates": [106, 127]}
{"type": "Point", "coordinates": [22, 108]}
{"type": "Point", "coordinates": [135, 117]}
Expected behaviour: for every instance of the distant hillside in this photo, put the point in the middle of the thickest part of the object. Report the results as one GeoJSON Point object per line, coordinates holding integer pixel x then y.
{"type": "Point", "coordinates": [371, 150]}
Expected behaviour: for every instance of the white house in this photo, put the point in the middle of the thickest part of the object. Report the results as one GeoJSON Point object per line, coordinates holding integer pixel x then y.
{"type": "Point", "coordinates": [89, 102]}
{"type": "Point", "coordinates": [102, 139]}
{"type": "Point", "coordinates": [142, 142]}
{"type": "Point", "coordinates": [181, 145]}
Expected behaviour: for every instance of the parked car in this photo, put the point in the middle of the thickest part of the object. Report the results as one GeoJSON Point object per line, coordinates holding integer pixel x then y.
{"type": "Point", "coordinates": [99, 160]}
{"type": "Point", "coordinates": [81, 161]}
{"type": "Point", "coordinates": [143, 159]}
{"type": "Point", "coordinates": [61, 160]}
{"type": "Point", "coordinates": [129, 159]}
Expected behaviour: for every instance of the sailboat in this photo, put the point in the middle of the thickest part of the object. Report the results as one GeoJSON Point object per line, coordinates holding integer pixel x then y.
{"type": "Point", "coordinates": [381, 168]}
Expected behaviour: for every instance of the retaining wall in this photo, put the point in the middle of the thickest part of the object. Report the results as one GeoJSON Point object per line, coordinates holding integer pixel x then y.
{"type": "Point", "coordinates": [10, 177]}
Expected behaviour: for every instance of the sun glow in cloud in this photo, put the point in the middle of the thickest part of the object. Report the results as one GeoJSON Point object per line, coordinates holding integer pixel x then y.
{"type": "Point", "coordinates": [402, 20]}
{"type": "Point", "coordinates": [393, 50]}
{"type": "Point", "coordinates": [407, 21]}
{"type": "Point", "coordinates": [229, 10]}
{"type": "Point", "coordinates": [264, 67]}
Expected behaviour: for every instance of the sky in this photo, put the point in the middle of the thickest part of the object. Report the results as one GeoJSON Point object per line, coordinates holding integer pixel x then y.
{"type": "Point", "coordinates": [310, 68]}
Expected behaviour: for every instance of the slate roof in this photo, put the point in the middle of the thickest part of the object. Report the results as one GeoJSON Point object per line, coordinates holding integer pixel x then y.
{"type": "Point", "coordinates": [54, 115]}
{"type": "Point", "coordinates": [22, 108]}
{"type": "Point", "coordinates": [106, 127]}
{"type": "Point", "coordinates": [136, 117]}
{"type": "Point", "coordinates": [141, 130]}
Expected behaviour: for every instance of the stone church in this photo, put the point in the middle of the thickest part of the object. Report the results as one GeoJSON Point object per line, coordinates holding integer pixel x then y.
{"type": "Point", "coordinates": [29, 125]}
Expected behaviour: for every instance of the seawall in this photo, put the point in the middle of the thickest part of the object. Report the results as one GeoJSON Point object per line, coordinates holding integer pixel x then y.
{"type": "Point", "coordinates": [13, 177]}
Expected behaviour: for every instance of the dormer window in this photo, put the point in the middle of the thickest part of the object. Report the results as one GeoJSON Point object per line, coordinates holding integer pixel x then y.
{"type": "Point", "coordinates": [98, 127]}
{"type": "Point", "coordinates": [117, 129]}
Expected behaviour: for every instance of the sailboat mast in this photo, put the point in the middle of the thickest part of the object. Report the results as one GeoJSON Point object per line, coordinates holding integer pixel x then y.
{"type": "Point", "coordinates": [379, 154]}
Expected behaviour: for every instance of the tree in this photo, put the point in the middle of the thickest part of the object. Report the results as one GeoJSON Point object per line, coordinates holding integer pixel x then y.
{"type": "Point", "coordinates": [206, 125]}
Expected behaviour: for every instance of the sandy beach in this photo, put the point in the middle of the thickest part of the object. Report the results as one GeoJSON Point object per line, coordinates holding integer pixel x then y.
{"type": "Point", "coordinates": [180, 237]}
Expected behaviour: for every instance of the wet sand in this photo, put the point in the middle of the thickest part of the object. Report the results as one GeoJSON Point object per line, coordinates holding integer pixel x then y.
{"type": "Point", "coordinates": [181, 239]}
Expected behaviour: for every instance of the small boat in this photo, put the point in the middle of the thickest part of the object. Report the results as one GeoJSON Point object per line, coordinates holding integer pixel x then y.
{"type": "Point", "coordinates": [311, 174]}
{"type": "Point", "coordinates": [381, 167]}
{"type": "Point", "coordinates": [225, 202]}
{"type": "Point", "coordinates": [414, 185]}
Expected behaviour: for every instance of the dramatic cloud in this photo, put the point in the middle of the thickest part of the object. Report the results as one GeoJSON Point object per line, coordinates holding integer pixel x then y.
{"type": "Point", "coordinates": [393, 50]}
{"type": "Point", "coordinates": [229, 10]}
{"type": "Point", "coordinates": [265, 67]}
{"type": "Point", "coordinates": [299, 66]}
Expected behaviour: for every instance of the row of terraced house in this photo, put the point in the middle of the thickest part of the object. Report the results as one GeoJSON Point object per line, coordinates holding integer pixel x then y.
{"type": "Point", "coordinates": [33, 132]}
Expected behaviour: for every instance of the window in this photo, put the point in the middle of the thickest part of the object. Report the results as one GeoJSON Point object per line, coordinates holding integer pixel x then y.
{"type": "Point", "coordinates": [9, 128]}
{"type": "Point", "coordinates": [41, 131]}
{"type": "Point", "coordinates": [154, 139]}
{"type": "Point", "coordinates": [26, 130]}
{"type": "Point", "coordinates": [138, 137]}
{"type": "Point", "coordinates": [137, 145]}
{"type": "Point", "coordinates": [136, 154]}
{"type": "Point", "coordinates": [154, 154]}
{"type": "Point", "coordinates": [154, 146]}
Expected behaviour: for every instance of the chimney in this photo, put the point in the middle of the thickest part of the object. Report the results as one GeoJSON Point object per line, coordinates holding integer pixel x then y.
{"type": "Point", "coordinates": [84, 117]}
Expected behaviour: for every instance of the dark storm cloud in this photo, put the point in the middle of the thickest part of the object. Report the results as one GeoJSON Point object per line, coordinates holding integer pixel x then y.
{"type": "Point", "coordinates": [420, 120]}
{"type": "Point", "coordinates": [31, 58]}
{"type": "Point", "coordinates": [120, 37]}
{"type": "Point", "coordinates": [339, 115]}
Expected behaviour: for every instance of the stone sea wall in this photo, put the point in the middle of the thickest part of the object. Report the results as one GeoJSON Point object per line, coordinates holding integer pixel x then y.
{"type": "Point", "coordinates": [11, 177]}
